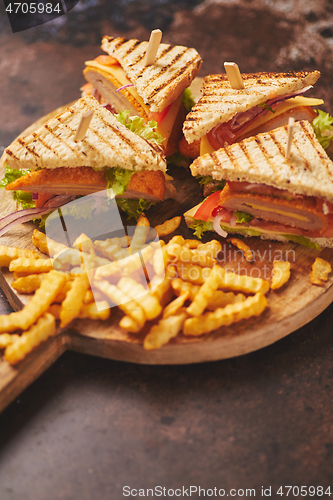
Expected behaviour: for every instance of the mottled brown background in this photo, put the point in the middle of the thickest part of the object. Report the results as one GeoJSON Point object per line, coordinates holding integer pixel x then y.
{"type": "Point", "coordinates": [90, 426]}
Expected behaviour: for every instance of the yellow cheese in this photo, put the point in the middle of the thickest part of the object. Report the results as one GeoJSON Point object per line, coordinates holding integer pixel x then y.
{"type": "Point", "coordinates": [119, 74]}
{"type": "Point", "coordinates": [277, 211]}
{"type": "Point", "coordinates": [205, 146]}
{"type": "Point", "coordinates": [294, 102]}
{"type": "Point", "coordinates": [165, 127]}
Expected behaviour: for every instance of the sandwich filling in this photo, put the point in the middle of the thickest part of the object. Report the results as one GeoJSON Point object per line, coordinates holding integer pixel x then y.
{"type": "Point", "coordinates": [257, 209]}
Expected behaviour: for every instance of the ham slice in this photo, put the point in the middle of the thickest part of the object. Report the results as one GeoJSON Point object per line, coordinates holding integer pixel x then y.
{"type": "Point", "coordinates": [302, 212]}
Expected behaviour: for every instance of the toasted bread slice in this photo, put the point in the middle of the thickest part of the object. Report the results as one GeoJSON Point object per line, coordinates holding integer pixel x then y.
{"type": "Point", "coordinates": [161, 83]}
{"type": "Point", "coordinates": [107, 143]}
{"type": "Point", "coordinates": [261, 159]}
{"type": "Point", "coordinates": [220, 102]}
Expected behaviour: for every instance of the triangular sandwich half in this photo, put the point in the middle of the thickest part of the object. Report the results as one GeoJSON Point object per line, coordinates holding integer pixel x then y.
{"type": "Point", "coordinates": [153, 92]}
{"type": "Point", "coordinates": [267, 194]}
{"type": "Point", "coordinates": [109, 156]}
{"type": "Point", "coordinates": [224, 115]}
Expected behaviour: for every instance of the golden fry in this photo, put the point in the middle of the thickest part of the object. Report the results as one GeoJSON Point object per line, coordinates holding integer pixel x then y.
{"type": "Point", "coordinates": [320, 271]}
{"type": "Point", "coordinates": [232, 313]}
{"type": "Point", "coordinates": [44, 328]}
{"type": "Point", "coordinates": [129, 324]}
{"type": "Point", "coordinates": [31, 266]}
{"type": "Point", "coordinates": [28, 284]}
{"type": "Point", "coordinates": [129, 307]}
{"type": "Point", "coordinates": [190, 272]}
{"type": "Point", "coordinates": [38, 305]}
{"type": "Point", "coordinates": [160, 260]}
{"type": "Point", "coordinates": [173, 307]}
{"type": "Point", "coordinates": [84, 244]}
{"type": "Point", "coordinates": [192, 243]}
{"type": "Point", "coordinates": [205, 293]}
{"type": "Point", "coordinates": [280, 273]}
{"type": "Point", "coordinates": [148, 301]}
{"type": "Point", "coordinates": [8, 254]}
{"type": "Point", "coordinates": [187, 255]}
{"type": "Point", "coordinates": [218, 299]}
{"type": "Point", "coordinates": [241, 283]}
{"type": "Point", "coordinates": [248, 253]}
{"type": "Point", "coordinates": [164, 331]}
{"type": "Point", "coordinates": [140, 234]}
{"type": "Point", "coordinates": [96, 310]}
{"type": "Point", "coordinates": [7, 339]}
{"type": "Point", "coordinates": [168, 227]}
{"type": "Point", "coordinates": [72, 305]}
{"type": "Point", "coordinates": [47, 245]}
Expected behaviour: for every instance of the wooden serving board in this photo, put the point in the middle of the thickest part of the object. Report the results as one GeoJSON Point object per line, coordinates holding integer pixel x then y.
{"type": "Point", "coordinates": [289, 308]}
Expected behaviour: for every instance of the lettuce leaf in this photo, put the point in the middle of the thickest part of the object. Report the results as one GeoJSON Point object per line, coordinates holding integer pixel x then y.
{"type": "Point", "coordinates": [134, 208]}
{"type": "Point", "coordinates": [323, 127]}
{"type": "Point", "coordinates": [200, 227]}
{"type": "Point", "coordinates": [22, 197]}
{"type": "Point", "coordinates": [188, 100]}
{"type": "Point", "coordinates": [302, 240]}
{"type": "Point", "coordinates": [136, 124]}
{"type": "Point", "coordinates": [243, 217]}
{"type": "Point", "coordinates": [118, 179]}
{"type": "Point", "coordinates": [206, 179]}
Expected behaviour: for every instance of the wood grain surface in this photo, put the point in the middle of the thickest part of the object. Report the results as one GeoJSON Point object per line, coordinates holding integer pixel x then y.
{"type": "Point", "coordinates": [288, 308]}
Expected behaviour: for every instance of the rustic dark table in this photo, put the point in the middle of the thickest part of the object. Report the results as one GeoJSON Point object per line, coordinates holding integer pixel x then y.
{"type": "Point", "coordinates": [89, 427]}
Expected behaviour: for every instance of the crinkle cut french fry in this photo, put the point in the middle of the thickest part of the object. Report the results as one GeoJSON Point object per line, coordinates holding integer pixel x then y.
{"type": "Point", "coordinates": [232, 313]}
{"type": "Point", "coordinates": [173, 307]}
{"type": "Point", "coordinates": [129, 307]}
{"type": "Point", "coordinates": [160, 260]}
{"type": "Point", "coordinates": [28, 284]}
{"type": "Point", "coordinates": [248, 254]}
{"type": "Point", "coordinates": [110, 249]}
{"type": "Point", "coordinates": [7, 339]}
{"type": "Point", "coordinates": [185, 254]}
{"type": "Point", "coordinates": [47, 245]}
{"type": "Point", "coordinates": [39, 303]}
{"type": "Point", "coordinates": [218, 299]}
{"type": "Point", "coordinates": [84, 244]}
{"type": "Point", "coordinates": [241, 283]}
{"type": "Point", "coordinates": [71, 306]}
{"type": "Point", "coordinates": [280, 273]}
{"type": "Point", "coordinates": [96, 311]}
{"type": "Point", "coordinates": [168, 227]}
{"type": "Point", "coordinates": [164, 331]}
{"type": "Point", "coordinates": [44, 328]}
{"type": "Point", "coordinates": [190, 272]}
{"type": "Point", "coordinates": [320, 271]}
{"type": "Point", "coordinates": [129, 324]}
{"type": "Point", "coordinates": [202, 298]}
{"type": "Point", "coordinates": [7, 254]}
{"type": "Point", "coordinates": [140, 234]}
{"type": "Point", "coordinates": [192, 243]}
{"type": "Point", "coordinates": [32, 266]}
{"type": "Point", "coordinates": [149, 303]}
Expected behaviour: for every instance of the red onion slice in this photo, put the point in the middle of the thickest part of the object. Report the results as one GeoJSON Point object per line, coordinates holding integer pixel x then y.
{"type": "Point", "coordinates": [125, 87]}
{"type": "Point", "coordinates": [217, 226]}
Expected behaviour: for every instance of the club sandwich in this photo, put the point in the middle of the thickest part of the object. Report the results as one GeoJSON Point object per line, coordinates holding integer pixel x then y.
{"type": "Point", "coordinates": [224, 115]}
{"type": "Point", "coordinates": [267, 194]}
{"type": "Point", "coordinates": [155, 92]}
{"type": "Point", "coordinates": [50, 164]}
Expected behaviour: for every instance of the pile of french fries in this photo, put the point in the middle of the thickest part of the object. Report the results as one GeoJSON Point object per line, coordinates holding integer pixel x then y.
{"type": "Point", "coordinates": [163, 289]}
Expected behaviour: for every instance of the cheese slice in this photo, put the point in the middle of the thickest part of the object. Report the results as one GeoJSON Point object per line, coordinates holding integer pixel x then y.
{"type": "Point", "coordinates": [118, 73]}
{"type": "Point", "coordinates": [165, 127]}
{"type": "Point", "coordinates": [281, 108]}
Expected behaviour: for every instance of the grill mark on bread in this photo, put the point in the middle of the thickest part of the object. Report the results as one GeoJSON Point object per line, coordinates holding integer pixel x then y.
{"type": "Point", "coordinates": [28, 147]}
{"type": "Point", "coordinates": [281, 149]}
{"type": "Point", "coordinates": [10, 153]}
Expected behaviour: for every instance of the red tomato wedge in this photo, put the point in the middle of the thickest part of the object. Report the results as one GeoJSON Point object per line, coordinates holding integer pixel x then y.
{"type": "Point", "coordinates": [159, 116]}
{"type": "Point", "coordinates": [42, 198]}
{"type": "Point", "coordinates": [206, 208]}
{"type": "Point", "coordinates": [107, 60]}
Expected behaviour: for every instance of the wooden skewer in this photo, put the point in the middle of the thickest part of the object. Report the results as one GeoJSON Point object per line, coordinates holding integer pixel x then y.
{"type": "Point", "coordinates": [234, 75]}
{"type": "Point", "coordinates": [153, 44]}
{"type": "Point", "coordinates": [291, 123]}
{"type": "Point", "coordinates": [83, 126]}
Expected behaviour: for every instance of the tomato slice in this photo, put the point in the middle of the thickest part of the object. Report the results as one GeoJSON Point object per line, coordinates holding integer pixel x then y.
{"type": "Point", "coordinates": [160, 115]}
{"type": "Point", "coordinates": [107, 60]}
{"type": "Point", "coordinates": [206, 208]}
{"type": "Point", "coordinates": [42, 198]}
